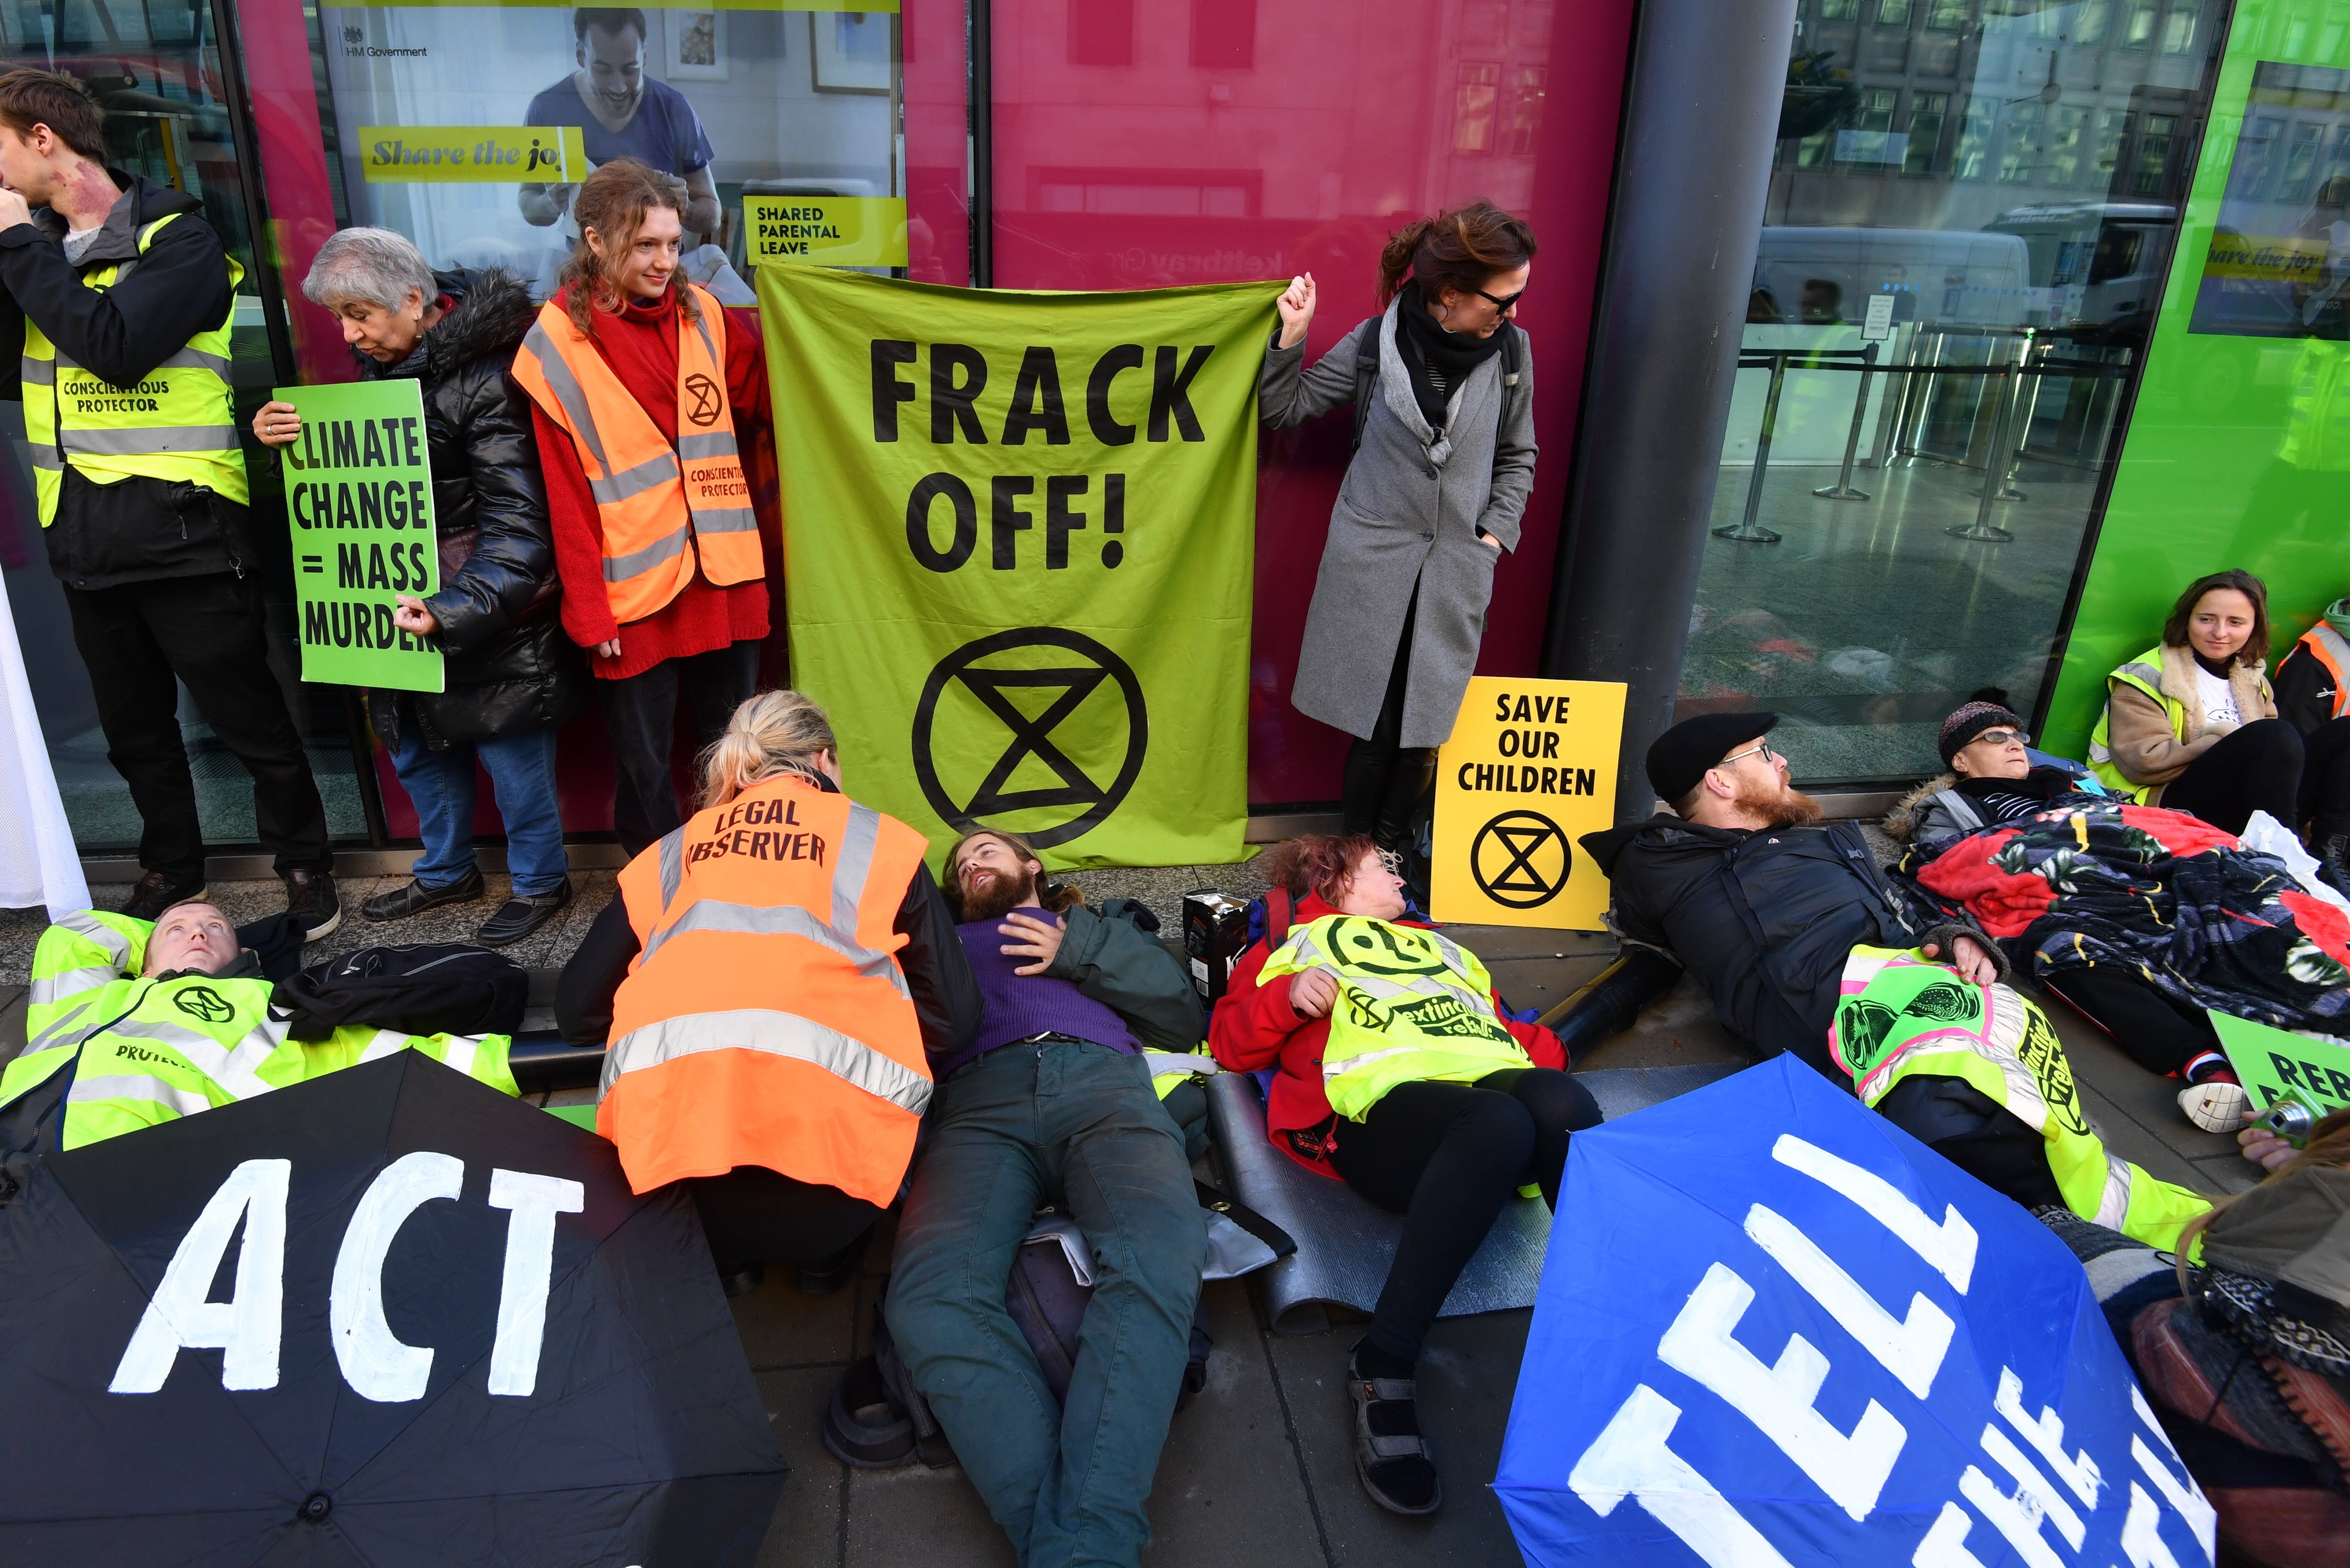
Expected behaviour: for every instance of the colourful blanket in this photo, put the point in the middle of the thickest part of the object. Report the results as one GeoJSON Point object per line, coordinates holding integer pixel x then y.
{"type": "Point", "coordinates": [2206, 921]}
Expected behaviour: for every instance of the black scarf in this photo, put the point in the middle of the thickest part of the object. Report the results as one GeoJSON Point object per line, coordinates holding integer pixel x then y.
{"type": "Point", "coordinates": [1437, 361]}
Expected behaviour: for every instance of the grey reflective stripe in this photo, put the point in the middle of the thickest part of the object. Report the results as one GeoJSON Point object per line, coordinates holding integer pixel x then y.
{"type": "Point", "coordinates": [1164, 1062]}
{"type": "Point", "coordinates": [672, 865]}
{"type": "Point", "coordinates": [567, 391]}
{"type": "Point", "coordinates": [709, 344]}
{"type": "Point", "coordinates": [137, 1086]}
{"type": "Point", "coordinates": [192, 358]}
{"type": "Point", "coordinates": [38, 373]}
{"type": "Point", "coordinates": [730, 520]}
{"type": "Point", "coordinates": [2145, 672]}
{"type": "Point", "coordinates": [1962, 810]}
{"type": "Point", "coordinates": [46, 456]}
{"type": "Point", "coordinates": [2113, 1203]}
{"type": "Point", "coordinates": [649, 474]}
{"type": "Point", "coordinates": [852, 865]}
{"type": "Point", "coordinates": [780, 920]}
{"type": "Point", "coordinates": [49, 989]}
{"type": "Point", "coordinates": [83, 922]}
{"type": "Point", "coordinates": [236, 1071]}
{"type": "Point", "coordinates": [717, 444]}
{"type": "Point", "coordinates": [853, 1062]}
{"type": "Point", "coordinates": [142, 440]}
{"type": "Point", "coordinates": [67, 1030]}
{"type": "Point", "coordinates": [620, 568]}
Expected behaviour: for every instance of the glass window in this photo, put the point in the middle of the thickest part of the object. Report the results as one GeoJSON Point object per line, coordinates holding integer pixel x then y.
{"type": "Point", "coordinates": [156, 72]}
{"type": "Point", "coordinates": [1893, 13]}
{"type": "Point", "coordinates": [1476, 88]}
{"type": "Point", "coordinates": [1939, 363]}
{"type": "Point", "coordinates": [2141, 32]}
{"type": "Point", "coordinates": [1839, 10]}
{"type": "Point", "coordinates": [2179, 31]}
{"type": "Point", "coordinates": [2280, 254]}
{"type": "Point", "coordinates": [1101, 32]}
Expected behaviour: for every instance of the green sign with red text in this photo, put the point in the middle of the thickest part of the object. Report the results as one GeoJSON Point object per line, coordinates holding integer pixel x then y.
{"type": "Point", "coordinates": [358, 502]}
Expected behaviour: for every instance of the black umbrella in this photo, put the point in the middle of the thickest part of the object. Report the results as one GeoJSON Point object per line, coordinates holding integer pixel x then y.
{"type": "Point", "coordinates": [386, 1316]}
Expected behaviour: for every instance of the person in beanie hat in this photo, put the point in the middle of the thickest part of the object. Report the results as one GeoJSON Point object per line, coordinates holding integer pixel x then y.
{"type": "Point", "coordinates": [1993, 780]}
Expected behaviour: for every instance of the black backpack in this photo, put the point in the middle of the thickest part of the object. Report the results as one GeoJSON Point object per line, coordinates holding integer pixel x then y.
{"type": "Point", "coordinates": [1367, 370]}
{"type": "Point", "coordinates": [432, 988]}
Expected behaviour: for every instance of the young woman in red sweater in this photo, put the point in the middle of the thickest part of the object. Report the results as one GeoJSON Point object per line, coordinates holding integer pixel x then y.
{"type": "Point", "coordinates": [663, 573]}
{"type": "Point", "coordinates": [1446, 1155]}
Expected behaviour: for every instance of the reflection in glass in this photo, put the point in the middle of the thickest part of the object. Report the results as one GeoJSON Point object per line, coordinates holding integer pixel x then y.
{"type": "Point", "coordinates": [1898, 522]}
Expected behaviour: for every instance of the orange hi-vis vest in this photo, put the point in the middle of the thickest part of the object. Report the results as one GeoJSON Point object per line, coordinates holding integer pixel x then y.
{"type": "Point", "coordinates": [2328, 646]}
{"type": "Point", "coordinates": [661, 506]}
{"type": "Point", "coordinates": [766, 1019]}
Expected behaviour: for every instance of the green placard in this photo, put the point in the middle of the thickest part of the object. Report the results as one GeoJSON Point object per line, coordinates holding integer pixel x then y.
{"type": "Point", "coordinates": [1020, 533]}
{"type": "Point", "coordinates": [2270, 1061]}
{"type": "Point", "coordinates": [359, 496]}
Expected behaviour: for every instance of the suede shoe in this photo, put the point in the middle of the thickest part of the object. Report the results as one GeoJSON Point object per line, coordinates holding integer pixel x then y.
{"type": "Point", "coordinates": [416, 898]}
{"type": "Point", "coordinates": [521, 915]}
{"type": "Point", "coordinates": [311, 898]}
{"type": "Point", "coordinates": [157, 892]}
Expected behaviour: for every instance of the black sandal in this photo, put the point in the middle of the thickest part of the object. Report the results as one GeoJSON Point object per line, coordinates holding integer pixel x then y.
{"type": "Point", "coordinates": [1390, 1455]}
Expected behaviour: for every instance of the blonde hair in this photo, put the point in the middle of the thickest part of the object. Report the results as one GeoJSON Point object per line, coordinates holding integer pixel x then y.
{"type": "Point", "coordinates": [774, 733]}
{"type": "Point", "coordinates": [2328, 1148]}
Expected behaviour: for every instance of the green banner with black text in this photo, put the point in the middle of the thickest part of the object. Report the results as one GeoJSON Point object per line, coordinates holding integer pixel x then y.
{"type": "Point", "coordinates": [1019, 535]}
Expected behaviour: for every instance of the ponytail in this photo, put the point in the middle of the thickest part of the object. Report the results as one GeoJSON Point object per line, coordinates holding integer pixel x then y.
{"type": "Point", "coordinates": [774, 733]}
{"type": "Point", "coordinates": [1461, 250]}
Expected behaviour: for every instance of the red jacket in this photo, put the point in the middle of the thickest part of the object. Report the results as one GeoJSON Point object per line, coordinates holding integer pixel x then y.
{"type": "Point", "coordinates": [1255, 1027]}
{"type": "Point", "coordinates": [640, 344]}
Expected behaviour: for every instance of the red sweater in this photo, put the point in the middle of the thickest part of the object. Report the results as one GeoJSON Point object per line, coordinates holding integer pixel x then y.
{"type": "Point", "coordinates": [1254, 1027]}
{"type": "Point", "coordinates": [641, 345]}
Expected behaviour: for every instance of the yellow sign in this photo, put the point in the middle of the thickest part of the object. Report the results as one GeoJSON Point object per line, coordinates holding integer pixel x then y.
{"type": "Point", "coordinates": [829, 231]}
{"type": "Point", "coordinates": [1531, 768]}
{"type": "Point", "coordinates": [491, 154]}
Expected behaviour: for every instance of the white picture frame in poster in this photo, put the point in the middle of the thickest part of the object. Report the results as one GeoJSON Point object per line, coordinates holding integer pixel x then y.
{"type": "Point", "coordinates": [851, 51]}
{"type": "Point", "coordinates": [694, 46]}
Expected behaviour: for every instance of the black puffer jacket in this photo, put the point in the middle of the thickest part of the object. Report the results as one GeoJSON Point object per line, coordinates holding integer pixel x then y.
{"type": "Point", "coordinates": [509, 670]}
{"type": "Point", "coordinates": [1764, 918]}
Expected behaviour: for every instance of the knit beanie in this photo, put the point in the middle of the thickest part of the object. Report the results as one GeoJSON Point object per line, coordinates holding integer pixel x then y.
{"type": "Point", "coordinates": [1972, 720]}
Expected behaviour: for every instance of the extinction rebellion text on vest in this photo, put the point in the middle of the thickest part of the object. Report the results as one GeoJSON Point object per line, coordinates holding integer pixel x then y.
{"type": "Point", "coordinates": [958, 374]}
{"type": "Point", "coordinates": [388, 504]}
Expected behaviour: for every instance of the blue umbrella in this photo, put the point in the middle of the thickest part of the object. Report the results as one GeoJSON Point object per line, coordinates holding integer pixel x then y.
{"type": "Point", "coordinates": [1774, 1329]}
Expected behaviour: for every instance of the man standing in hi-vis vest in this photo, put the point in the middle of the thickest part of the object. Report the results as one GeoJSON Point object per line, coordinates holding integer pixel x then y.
{"type": "Point", "coordinates": [121, 298]}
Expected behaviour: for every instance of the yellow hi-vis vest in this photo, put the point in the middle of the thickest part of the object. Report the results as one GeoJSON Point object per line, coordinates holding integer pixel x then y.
{"type": "Point", "coordinates": [176, 425]}
{"type": "Point", "coordinates": [152, 1051]}
{"type": "Point", "coordinates": [1902, 1014]}
{"type": "Point", "coordinates": [2144, 672]}
{"type": "Point", "coordinates": [1413, 1006]}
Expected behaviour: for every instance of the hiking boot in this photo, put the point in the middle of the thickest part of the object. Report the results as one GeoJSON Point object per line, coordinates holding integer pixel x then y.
{"type": "Point", "coordinates": [157, 892]}
{"type": "Point", "coordinates": [416, 898]}
{"type": "Point", "coordinates": [523, 914]}
{"type": "Point", "coordinates": [2334, 861]}
{"type": "Point", "coordinates": [310, 898]}
{"type": "Point", "coordinates": [826, 1275]}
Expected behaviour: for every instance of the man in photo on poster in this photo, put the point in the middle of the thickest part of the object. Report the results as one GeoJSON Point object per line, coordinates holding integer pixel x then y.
{"type": "Point", "coordinates": [625, 114]}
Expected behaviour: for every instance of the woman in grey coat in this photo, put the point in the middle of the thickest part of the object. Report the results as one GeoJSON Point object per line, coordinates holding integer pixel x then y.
{"type": "Point", "coordinates": [1444, 458]}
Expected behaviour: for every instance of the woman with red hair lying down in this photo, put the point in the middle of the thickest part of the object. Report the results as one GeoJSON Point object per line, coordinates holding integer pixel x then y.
{"type": "Point", "coordinates": [1397, 1074]}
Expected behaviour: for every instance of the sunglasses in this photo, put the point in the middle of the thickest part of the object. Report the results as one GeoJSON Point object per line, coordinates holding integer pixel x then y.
{"type": "Point", "coordinates": [2002, 737]}
{"type": "Point", "coordinates": [1502, 302]}
{"type": "Point", "coordinates": [1762, 747]}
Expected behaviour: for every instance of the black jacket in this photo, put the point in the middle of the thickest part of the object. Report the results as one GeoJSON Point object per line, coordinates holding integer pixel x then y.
{"type": "Point", "coordinates": [2304, 690]}
{"type": "Point", "coordinates": [1764, 918]}
{"type": "Point", "coordinates": [509, 670]}
{"type": "Point", "coordinates": [138, 529]}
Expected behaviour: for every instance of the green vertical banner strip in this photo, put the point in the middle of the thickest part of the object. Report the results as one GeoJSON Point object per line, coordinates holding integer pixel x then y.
{"type": "Point", "coordinates": [1019, 532]}
{"type": "Point", "coordinates": [358, 499]}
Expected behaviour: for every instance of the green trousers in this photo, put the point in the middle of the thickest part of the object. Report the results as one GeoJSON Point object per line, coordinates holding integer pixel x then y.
{"type": "Point", "coordinates": [1076, 1127]}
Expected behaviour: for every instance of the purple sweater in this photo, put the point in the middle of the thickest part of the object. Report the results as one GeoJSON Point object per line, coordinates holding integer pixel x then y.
{"type": "Point", "coordinates": [1020, 1006]}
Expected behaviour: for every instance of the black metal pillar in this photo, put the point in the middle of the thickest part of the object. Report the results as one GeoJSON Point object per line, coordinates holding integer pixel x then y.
{"type": "Point", "coordinates": [1693, 166]}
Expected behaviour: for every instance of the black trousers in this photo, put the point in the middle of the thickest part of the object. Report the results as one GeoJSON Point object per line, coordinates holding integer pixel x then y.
{"type": "Point", "coordinates": [640, 715]}
{"type": "Point", "coordinates": [2257, 768]}
{"type": "Point", "coordinates": [1447, 1156]}
{"type": "Point", "coordinates": [1384, 781]}
{"type": "Point", "coordinates": [2159, 1035]}
{"type": "Point", "coordinates": [753, 1215]}
{"type": "Point", "coordinates": [2325, 780]}
{"type": "Point", "coordinates": [206, 631]}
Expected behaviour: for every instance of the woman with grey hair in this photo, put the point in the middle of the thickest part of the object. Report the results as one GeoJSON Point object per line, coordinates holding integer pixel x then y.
{"type": "Point", "coordinates": [512, 676]}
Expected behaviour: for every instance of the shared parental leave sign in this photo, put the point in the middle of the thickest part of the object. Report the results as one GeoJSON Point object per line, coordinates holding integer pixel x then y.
{"type": "Point", "coordinates": [358, 502]}
{"type": "Point", "coordinates": [1531, 768]}
{"type": "Point", "coordinates": [1019, 530]}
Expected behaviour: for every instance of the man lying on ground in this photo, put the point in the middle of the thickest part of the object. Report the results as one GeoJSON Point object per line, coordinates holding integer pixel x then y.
{"type": "Point", "coordinates": [1785, 918]}
{"type": "Point", "coordinates": [1053, 1104]}
{"type": "Point", "coordinates": [164, 1019]}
